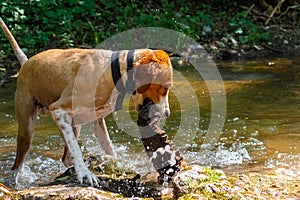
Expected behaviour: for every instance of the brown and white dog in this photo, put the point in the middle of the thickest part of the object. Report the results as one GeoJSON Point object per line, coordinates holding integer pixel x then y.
{"type": "Point", "coordinates": [77, 87]}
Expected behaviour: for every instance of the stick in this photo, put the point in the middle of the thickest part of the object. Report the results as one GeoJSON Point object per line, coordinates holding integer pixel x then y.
{"type": "Point", "coordinates": [161, 151]}
{"type": "Point", "coordinates": [273, 12]}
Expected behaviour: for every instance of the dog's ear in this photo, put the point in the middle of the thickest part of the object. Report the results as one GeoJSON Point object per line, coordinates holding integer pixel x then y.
{"type": "Point", "coordinates": [143, 88]}
{"type": "Point", "coordinates": [143, 77]}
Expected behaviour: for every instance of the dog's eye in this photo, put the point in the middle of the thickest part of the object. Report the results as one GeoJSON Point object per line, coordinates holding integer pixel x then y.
{"type": "Point", "coordinates": [163, 90]}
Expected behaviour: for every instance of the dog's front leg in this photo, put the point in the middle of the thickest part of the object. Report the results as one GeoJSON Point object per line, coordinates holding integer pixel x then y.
{"type": "Point", "coordinates": [66, 158]}
{"type": "Point", "coordinates": [102, 136]}
{"type": "Point", "coordinates": [63, 120]}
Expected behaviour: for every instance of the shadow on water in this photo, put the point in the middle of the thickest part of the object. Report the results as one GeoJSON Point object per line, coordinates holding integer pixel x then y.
{"type": "Point", "coordinates": [261, 132]}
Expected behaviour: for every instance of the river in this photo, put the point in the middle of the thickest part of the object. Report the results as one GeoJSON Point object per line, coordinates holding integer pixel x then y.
{"type": "Point", "coordinates": [261, 130]}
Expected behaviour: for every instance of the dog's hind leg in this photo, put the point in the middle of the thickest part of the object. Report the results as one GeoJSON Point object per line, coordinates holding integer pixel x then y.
{"type": "Point", "coordinates": [26, 113]}
{"type": "Point", "coordinates": [102, 136]}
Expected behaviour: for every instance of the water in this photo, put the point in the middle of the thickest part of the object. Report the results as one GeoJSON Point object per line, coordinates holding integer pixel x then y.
{"type": "Point", "coordinates": [261, 131]}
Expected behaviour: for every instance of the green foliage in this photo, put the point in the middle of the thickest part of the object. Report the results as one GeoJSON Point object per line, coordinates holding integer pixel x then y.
{"type": "Point", "coordinates": [210, 187]}
{"type": "Point", "coordinates": [195, 25]}
{"type": "Point", "coordinates": [212, 174]}
{"type": "Point", "coordinates": [44, 24]}
{"type": "Point", "coordinates": [41, 24]}
{"type": "Point", "coordinates": [192, 185]}
{"type": "Point", "coordinates": [246, 31]}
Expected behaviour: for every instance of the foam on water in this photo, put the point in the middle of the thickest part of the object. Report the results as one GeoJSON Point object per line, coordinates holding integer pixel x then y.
{"type": "Point", "coordinates": [220, 156]}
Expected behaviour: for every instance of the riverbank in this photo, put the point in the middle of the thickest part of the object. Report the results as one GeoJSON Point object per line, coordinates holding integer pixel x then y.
{"type": "Point", "coordinates": [220, 52]}
{"type": "Point", "coordinates": [193, 182]}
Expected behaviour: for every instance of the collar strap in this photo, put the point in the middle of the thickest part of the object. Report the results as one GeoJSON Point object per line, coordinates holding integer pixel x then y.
{"type": "Point", "coordinates": [117, 78]}
{"type": "Point", "coordinates": [130, 84]}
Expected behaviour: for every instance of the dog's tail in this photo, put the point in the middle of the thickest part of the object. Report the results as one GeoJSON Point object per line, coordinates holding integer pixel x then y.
{"type": "Point", "coordinates": [22, 58]}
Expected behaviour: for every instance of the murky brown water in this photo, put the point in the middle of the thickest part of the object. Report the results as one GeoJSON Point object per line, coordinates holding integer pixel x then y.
{"type": "Point", "coordinates": [261, 131]}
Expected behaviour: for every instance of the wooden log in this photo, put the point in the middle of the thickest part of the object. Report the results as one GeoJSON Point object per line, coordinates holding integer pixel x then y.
{"type": "Point", "coordinates": [166, 159]}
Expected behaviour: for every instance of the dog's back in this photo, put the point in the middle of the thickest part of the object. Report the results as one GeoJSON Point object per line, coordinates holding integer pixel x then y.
{"type": "Point", "coordinates": [49, 73]}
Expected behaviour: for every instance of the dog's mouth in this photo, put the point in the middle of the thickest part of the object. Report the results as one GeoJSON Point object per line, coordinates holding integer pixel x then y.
{"type": "Point", "coordinates": [154, 109]}
{"type": "Point", "coordinates": [147, 101]}
{"type": "Point", "coordinates": [147, 112]}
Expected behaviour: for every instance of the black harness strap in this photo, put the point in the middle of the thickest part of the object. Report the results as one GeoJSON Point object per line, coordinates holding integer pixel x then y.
{"type": "Point", "coordinates": [115, 70]}
{"type": "Point", "coordinates": [130, 84]}
{"type": "Point", "coordinates": [117, 78]}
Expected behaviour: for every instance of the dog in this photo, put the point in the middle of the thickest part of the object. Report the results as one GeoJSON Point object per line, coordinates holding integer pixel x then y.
{"type": "Point", "coordinates": [79, 86]}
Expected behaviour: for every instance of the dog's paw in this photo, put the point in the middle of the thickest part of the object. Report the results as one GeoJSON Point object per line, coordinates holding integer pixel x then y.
{"type": "Point", "coordinates": [86, 176]}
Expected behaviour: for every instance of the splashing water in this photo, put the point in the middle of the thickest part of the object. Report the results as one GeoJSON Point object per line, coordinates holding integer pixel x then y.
{"type": "Point", "coordinates": [24, 178]}
{"type": "Point", "coordinates": [221, 156]}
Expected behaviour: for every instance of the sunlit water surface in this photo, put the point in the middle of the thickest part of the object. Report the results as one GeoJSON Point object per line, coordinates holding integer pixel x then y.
{"type": "Point", "coordinates": [261, 131]}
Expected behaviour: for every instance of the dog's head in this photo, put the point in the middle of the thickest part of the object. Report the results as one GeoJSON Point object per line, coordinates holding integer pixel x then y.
{"type": "Point", "coordinates": [154, 78]}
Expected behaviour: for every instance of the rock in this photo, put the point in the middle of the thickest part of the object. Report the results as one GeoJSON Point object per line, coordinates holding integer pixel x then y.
{"type": "Point", "coordinates": [221, 174]}
{"type": "Point", "coordinates": [57, 192]}
{"type": "Point", "coordinates": [224, 40]}
{"type": "Point", "coordinates": [4, 192]}
{"type": "Point", "coordinates": [258, 48]}
{"type": "Point", "coordinates": [207, 29]}
{"type": "Point", "coordinates": [65, 192]}
{"type": "Point", "coordinates": [228, 54]}
{"type": "Point", "coordinates": [194, 177]}
{"type": "Point", "coordinates": [233, 41]}
{"type": "Point", "coordinates": [220, 44]}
